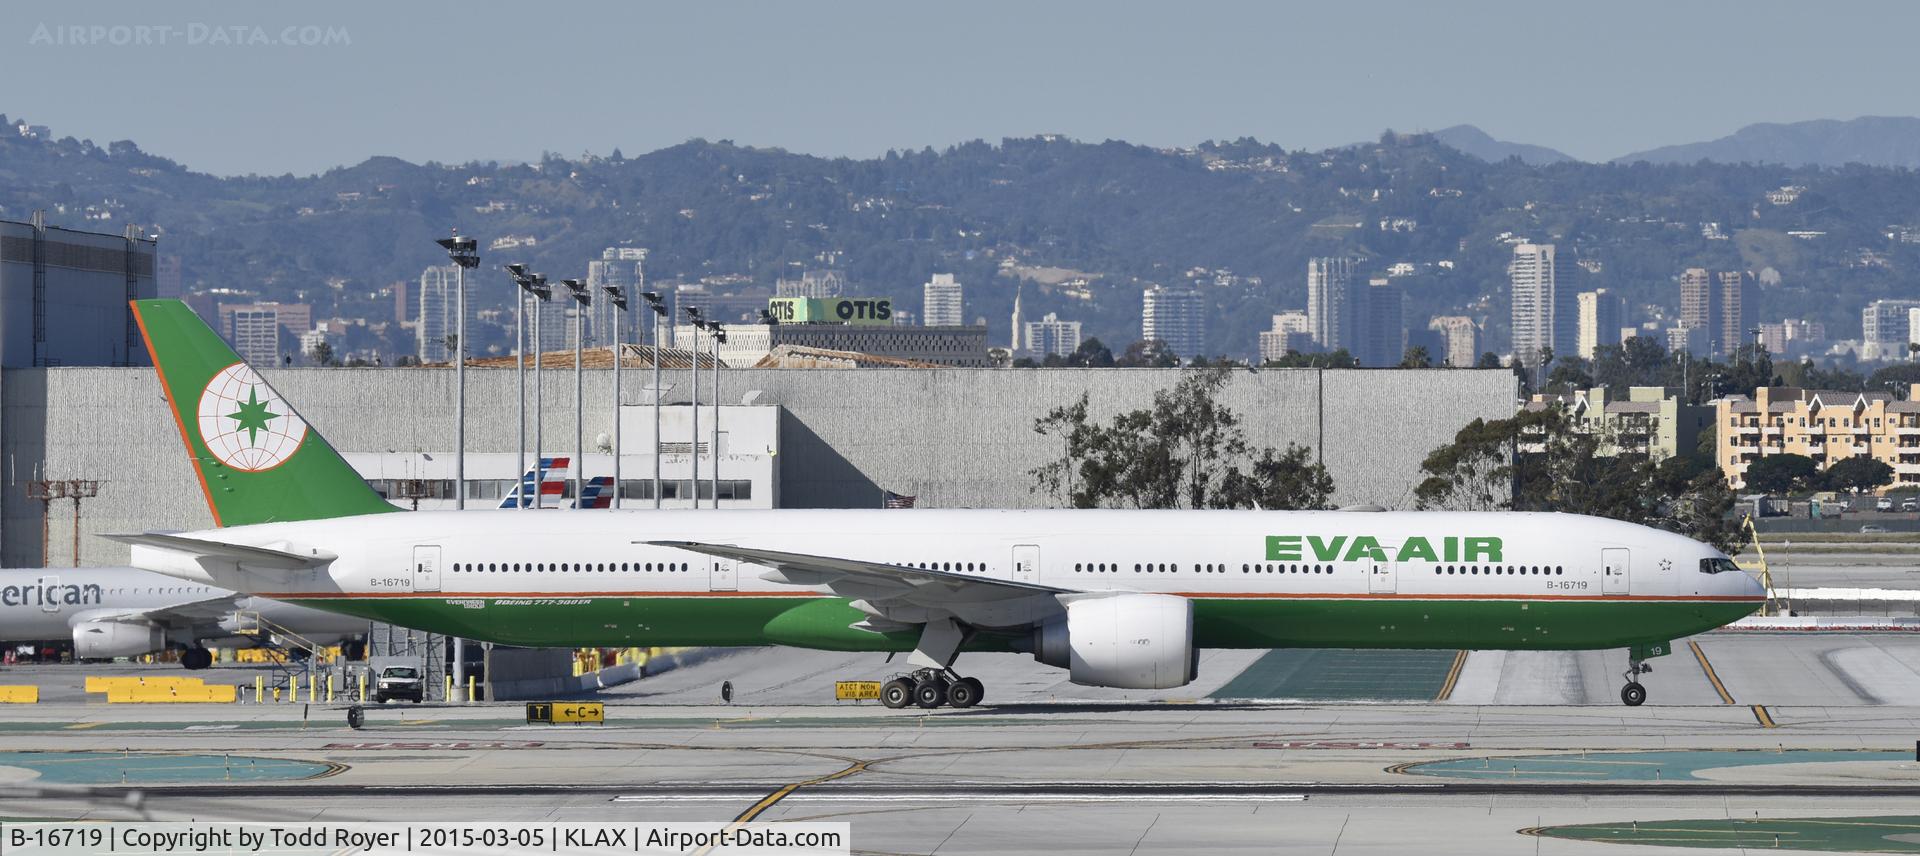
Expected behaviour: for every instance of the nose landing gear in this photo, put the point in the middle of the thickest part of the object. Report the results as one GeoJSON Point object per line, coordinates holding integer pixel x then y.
{"type": "Point", "coordinates": [1633, 694]}
{"type": "Point", "coordinates": [931, 688]}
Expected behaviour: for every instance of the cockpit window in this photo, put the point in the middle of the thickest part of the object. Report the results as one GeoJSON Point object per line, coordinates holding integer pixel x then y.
{"type": "Point", "coordinates": [1717, 566]}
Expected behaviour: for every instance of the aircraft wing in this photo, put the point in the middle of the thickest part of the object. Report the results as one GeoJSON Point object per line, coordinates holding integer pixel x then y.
{"type": "Point", "coordinates": [194, 613]}
{"type": "Point", "coordinates": [877, 582]}
{"type": "Point", "coordinates": [253, 557]}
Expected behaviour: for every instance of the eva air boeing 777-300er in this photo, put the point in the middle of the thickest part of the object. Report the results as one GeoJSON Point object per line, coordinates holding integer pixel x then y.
{"type": "Point", "coordinates": [1119, 598]}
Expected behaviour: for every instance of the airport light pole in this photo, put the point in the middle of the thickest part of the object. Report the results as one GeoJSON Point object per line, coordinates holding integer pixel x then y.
{"type": "Point", "coordinates": [542, 292]}
{"type": "Point", "coordinates": [464, 253]}
{"type": "Point", "coordinates": [619, 300]}
{"type": "Point", "coordinates": [524, 282]}
{"type": "Point", "coordinates": [719, 338]}
{"type": "Point", "coordinates": [659, 313]}
{"type": "Point", "coordinates": [583, 298]}
{"type": "Point", "coordinates": [693, 367]}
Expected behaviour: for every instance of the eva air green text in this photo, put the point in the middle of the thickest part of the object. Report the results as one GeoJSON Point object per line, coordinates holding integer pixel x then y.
{"type": "Point", "coordinates": [1350, 548]}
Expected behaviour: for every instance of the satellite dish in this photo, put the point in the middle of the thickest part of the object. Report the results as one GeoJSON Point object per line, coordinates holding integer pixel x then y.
{"type": "Point", "coordinates": [603, 441]}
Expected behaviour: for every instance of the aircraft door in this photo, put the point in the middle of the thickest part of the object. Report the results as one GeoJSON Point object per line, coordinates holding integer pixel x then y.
{"type": "Point", "coordinates": [1026, 563]}
{"type": "Point", "coordinates": [49, 599]}
{"type": "Point", "coordinates": [721, 574]}
{"type": "Point", "coordinates": [426, 567]}
{"type": "Point", "coordinates": [1614, 568]}
{"type": "Point", "coordinates": [1381, 578]}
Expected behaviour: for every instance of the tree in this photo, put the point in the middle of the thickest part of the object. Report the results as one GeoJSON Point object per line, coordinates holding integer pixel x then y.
{"type": "Point", "coordinates": [1148, 354]}
{"type": "Point", "coordinates": [1416, 358]}
{"type": "Point", "coordinates": [1091, 354]}
{"type": "Point", "coordinates": [1187, 450]}
{"type": "Point", "coordinates": [1782, 473]}
{"type": "Point", "coordinates": [322, 353]}
{"type": "Point", "coordinates": [1488, 360]}
{"type": "Point", "coordinates": [1338, 359]}
{"type": "Point", "coordinates": [1280, 481]}
{"type": "Point", "coordinates": [1855, 474]}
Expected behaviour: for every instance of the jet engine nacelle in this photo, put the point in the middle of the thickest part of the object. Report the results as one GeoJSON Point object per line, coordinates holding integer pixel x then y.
{"type": "Point", "coordinates": [100, 640]}
{"type": "Point", "coordinates": [1129, 641]}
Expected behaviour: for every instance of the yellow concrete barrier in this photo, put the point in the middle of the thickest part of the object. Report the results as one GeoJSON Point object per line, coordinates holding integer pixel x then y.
{"type": "Point", "coordinates": [97, 684]}
{"type": "Point", "coordinates": [19, 694]}
{"type": "Point", "coordinates": [187, 694]}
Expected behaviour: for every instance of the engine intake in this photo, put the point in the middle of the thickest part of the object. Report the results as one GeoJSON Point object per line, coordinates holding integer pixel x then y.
{"type": "Point", "coordinates": [99, 640]}
{"type": "Point", "coordinates": [1127, 641]}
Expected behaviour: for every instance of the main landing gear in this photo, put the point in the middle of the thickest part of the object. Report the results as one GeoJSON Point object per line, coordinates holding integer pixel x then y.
{"type": "Point", "coordinates": [1633, 694]}
{"type": "Point", "coordinates": [931, 688]}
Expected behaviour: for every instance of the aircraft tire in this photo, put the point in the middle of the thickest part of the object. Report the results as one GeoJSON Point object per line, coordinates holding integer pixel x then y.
{"type": "Point", "coordinates": [930, 694]}
{"type": "Point", "coordinates": [1633, 694]}
{"type": "Point", "coordinates": [897, 693]}
{"type": "Point", "coordinates": [965, 692]}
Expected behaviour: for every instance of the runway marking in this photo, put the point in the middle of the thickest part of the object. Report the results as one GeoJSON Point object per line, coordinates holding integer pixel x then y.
{"type": "Point", "coordinates": [1453, 677]}
{"type": "Point", "coordinates": [1725, 697]}
{"type": "Point", "coordinates": [767, 801]}
{"type": "Point", "coordinates": [1765, 719]}
{"type": "Point", "coordinates": [83, 725]}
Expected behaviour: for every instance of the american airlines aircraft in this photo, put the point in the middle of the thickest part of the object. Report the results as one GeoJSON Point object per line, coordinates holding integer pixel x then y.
{"type": "Point", "coordinates": [127, 612]}
{"type": "Point", "coordinates": [1117, 598]}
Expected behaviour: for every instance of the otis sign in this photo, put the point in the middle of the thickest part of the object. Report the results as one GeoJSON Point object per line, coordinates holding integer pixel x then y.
{"type": "Point", "coordinates": [831, 310]}
{"type": "Point", "coordinates": [1353, 548]}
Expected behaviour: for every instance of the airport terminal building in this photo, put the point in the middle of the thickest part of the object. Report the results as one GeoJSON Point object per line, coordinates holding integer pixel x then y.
{"type": "Point", "coordinates": [791, 438]}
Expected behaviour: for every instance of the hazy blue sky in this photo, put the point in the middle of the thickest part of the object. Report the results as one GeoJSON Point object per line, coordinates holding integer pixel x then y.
{"type": "Point", "coordinates": [458, 81]}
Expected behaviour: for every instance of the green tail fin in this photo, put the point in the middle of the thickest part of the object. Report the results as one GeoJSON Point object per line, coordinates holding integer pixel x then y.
{"type": "Point", "coordinates": [257, 460]}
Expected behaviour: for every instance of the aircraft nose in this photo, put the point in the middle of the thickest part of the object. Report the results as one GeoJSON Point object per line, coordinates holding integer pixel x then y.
{"type": "Point", "coordinates": [1749, 586]}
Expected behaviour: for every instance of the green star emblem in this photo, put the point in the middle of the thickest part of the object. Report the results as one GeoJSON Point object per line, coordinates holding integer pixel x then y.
{"type": "Point", "coordinates": [252, 416]}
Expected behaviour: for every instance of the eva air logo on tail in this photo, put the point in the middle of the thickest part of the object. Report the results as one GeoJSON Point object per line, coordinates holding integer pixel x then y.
{"type": "Point", "coordinates": [245, 424]}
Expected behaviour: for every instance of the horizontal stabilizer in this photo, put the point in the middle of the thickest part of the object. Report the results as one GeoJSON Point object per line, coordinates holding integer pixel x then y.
{"type": "Point", "coordinates": [252, 557]}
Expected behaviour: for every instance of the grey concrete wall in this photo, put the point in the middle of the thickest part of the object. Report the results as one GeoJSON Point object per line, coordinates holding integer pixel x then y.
{"type": "Point", "coordinates": [954, 437]}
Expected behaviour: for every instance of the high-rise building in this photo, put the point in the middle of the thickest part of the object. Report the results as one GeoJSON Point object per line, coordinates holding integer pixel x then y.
{"type": "Point", "coordinates": [1292, 332]}
{"type": "Point", "coordinates": [1688, 339]}
{"type": "Point", "coordinates": [403, 305]}
{"type": "Point", "coordinates": [1050, 335]}
{"type": "Point", "coordinates": [1462, 340]}
{"type": "Point", "coordinates": [1733, 319]}
{"type": "Point", "coordinates": [1380, 327]}
{"type": "Point", "coordinates": [1885, 329]}
{"type": "Point", "coordinates": [168, 278]}
{"type": "Point", "coordinates": [623, 267]}
{"type": "Point", "coordinates": [1175, 315]}
{"type": "Point", "coordinates": [1600, 316]}
{"type": "Point", "coordinates": [297, 318]}
{"type": "Point", "coordinates": [254, 332]}
{"type": "Point", "coordinates": [439, 301]}
{"type": "Point", "coordinates": [1696, 298]}
{"type": "Point", "coordinates": [942, 302]}
{"type": "Point", "coordinates": [1543, 304]}
{"type": "Point", "coordinates": [1332, 301]}
{"type": "Point", "coordinates": [1720, 303]}
{"type": "Point", "coordinates": [1017, 340]}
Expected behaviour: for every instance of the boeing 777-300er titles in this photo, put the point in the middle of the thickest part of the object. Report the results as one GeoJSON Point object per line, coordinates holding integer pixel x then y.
{"type": "Point", "coordinates": [127, 612]}
{"type": "Point", "coordinates": [1119, 598]}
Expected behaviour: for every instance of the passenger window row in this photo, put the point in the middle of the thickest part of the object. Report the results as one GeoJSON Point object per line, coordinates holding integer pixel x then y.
{"type": "Point", "coordinates": [562, 567]}
{"type": "Point", "coordinates": [1286, 569]}
{"type": "Point", "coordinates": [957, 567]}
{"type": "Point", "coordinates": [1492, 570]}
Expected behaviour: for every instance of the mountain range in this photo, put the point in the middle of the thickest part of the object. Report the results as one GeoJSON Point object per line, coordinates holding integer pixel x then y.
{"type": "Point", "coordinates": [1078, 228]}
